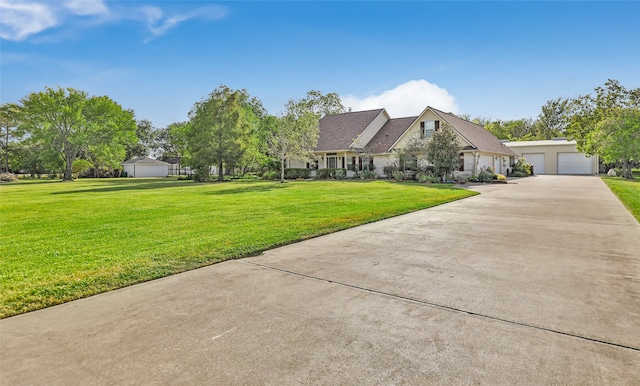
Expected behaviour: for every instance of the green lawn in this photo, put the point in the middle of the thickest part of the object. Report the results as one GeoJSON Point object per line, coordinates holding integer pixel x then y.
{"type": "Point", "coordinates": [66, 240]}
{"type": "Point", "coordinates": [628, 191]}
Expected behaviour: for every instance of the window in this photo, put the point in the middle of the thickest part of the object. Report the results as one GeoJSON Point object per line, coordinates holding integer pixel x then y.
{"type": "Point", "coordinates": [332, 161]}
{"type": "Point", "coordinates": [427, 128]}
{"type": "Point", "coordinates": [461, 162]}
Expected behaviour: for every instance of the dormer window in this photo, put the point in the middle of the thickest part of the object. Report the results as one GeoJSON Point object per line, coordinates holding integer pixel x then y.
{"type": "Point", "coordinates": [427, 128]}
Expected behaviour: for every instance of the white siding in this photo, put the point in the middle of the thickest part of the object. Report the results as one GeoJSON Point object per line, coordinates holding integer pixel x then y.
{"type": "Point", "coordinates": [537, 160]}
{"type": "Point", "coordinates": [380, 161]}
{"type": "Point", "coordinates": [469, 161]}
{"type": "Point", "coordinates": [139, 171]}
{"type": "Point", "coordinates": [485, 161]}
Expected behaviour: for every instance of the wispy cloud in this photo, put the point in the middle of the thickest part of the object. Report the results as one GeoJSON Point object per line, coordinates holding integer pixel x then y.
{"type": "Point", "coordinates": [86, 7]}
{"type": "Point", "coordinates": [407, 99]}
{"type": "Point", "coordinates": [23, 19]}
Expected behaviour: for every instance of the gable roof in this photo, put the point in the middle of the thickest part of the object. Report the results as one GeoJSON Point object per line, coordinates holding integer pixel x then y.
{"type": "Point", "coordinates": [337, 132]}
{"type": "Point", "coordinates": [145, 161]}
{"type": "Point", "coordinates": [389, 134]}
{"type": "Point", "coordinates": [479, 137]}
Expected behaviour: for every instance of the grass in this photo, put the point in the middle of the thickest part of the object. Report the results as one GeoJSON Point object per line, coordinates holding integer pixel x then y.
{"type": "Point", "coordinates": [628, 191]}
{"type": "Point", "coordinates": [66, 240]}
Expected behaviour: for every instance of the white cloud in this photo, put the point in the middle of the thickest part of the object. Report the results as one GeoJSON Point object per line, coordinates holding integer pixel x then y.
{"type": "Point", "coordinates": [158, 26]}
{"type": "Point", "coordinates": [86, 7]}
{"type": "Point", "coordinates": [21, 19]}
{"type": "Point", "coordinates": [407, 99]}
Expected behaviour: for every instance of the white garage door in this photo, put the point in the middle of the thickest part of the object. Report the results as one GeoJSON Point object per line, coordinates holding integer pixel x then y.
{"type": "Point", "coordinates": [574, 163]}
{"type": "Point", "coordinates": [537, 160]}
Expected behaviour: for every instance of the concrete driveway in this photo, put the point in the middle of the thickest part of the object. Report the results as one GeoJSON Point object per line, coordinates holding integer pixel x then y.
{"type": "Point", "coordinates": [534, 282]}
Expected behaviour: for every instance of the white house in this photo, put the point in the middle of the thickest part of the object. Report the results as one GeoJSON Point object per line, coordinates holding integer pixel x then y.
{"type": "Point", "coordinates": [557, 156]}
{"type": "Point", "coordinates": [345, 137]}
{"type": "Point", "coordinates": [145, 167]}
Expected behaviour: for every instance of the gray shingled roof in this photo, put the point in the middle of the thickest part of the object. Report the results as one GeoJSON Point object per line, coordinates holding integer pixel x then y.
{"type": "Point", "coordinates": [145, 161]}
{"type": "Point", "coordinates": [478, 136]}
{"type": "Point", "coordinates": [389, 134]}
{"type": "Point", "coordinates": [337, 132]}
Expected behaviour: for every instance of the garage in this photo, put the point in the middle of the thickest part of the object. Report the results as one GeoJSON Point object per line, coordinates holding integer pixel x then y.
{"type": "Point", "coordinates": [574, 163]}
{"type": "Point", "coordinates": [537, 160]}
{"type": "Point", "coordinates": [145, 167]}
{"type": "Point", "coordinates": [555, 156]}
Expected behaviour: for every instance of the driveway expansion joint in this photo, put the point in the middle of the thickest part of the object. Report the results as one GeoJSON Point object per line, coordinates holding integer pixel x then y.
{"type": "Point", "coordinates": [443, 307]}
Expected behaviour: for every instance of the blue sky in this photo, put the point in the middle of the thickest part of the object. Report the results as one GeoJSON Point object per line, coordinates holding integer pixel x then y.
{"type": "Point", "coordinates": [501, 59]}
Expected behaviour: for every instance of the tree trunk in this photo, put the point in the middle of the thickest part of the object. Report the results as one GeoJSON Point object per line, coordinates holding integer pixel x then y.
{"type": "Point", "coordinates": [67, 168]}
{"type": "Point", "coordinates": [626, 170]}
{"type": "Point", "coordinates": [282, 171]}
{"type": "Point", "coordinates": [220, 172]}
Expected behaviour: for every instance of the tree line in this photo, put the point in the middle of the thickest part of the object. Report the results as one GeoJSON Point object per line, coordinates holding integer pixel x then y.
{"type": "Point", "coordinates": [64, 130]}
{"type": "Point", "coordinates": [606, 123]}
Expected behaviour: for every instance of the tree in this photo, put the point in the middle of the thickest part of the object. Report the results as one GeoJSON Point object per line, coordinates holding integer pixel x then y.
{"type": "Point", "coordinates": [552, 121]}
{"type": "Point", "coordinates": [219, 125]}
{"type": "Point", "coordinates": [410, 155]}
{"type": "Point", "coordinates": [171, 143]}
{"type": "Point", "coordinates": [70, 122]}
{"type": "Point", "coordinates": [443, 151]}
{"type": "Point", "coordinates": [600, 123]}
{"type": "Point", "coordinates": [294, 135]}
{"type": "Point", "coordinates": [617, 139]}
{"type": "Point", "coordinates": [146, 140]}
{"type": "Point", "coordinates": [320, 104]}
{"type": "Point", "coordinates": [9, 124]}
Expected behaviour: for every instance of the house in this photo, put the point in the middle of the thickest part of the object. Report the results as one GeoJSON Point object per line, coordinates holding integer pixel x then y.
{"type": "Point", "coordinates": [373, 136]}
{"type": "Point", "coordinates": [145, 167]}
{"type": "Point", "coordinates": [557, 156]}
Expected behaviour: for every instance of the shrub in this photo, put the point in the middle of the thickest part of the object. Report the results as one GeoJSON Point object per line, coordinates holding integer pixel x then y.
{"type": "Point", "coordinates": [368, 175]}
{"type": "Point", "coordinates": [473, 178]}
{"type": "Point", "coordinates": [485, 175]}
{"type": "Point", "coordinates": [293, 173]}
{"type": "Point", "coordinates": [427, 177]}
{"type": "Point", "coordinates": [201, 175]}
{"type": "Point", "coordinates": [522, 166]}
{"type": "Point", "coordinates": [398, 175]}
{"type": "Point", "coordinates": [500, 177]}
{"type": "Point", "coordinates": [8, 177]}
{"type": "Point", "coordinates": [389, 170]}
{"type": "Point", "coordinates": [270, 175]}
{"type": "Point", "coordinates": [519, 174]}
{"type": "Point", "coordinates": [337, 173]}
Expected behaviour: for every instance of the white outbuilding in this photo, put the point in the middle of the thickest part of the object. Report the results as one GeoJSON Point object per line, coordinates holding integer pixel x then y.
{"type": "Point", "coordinates": [557, 156]}
{"type": "Point", "coordinates": [145, 167]}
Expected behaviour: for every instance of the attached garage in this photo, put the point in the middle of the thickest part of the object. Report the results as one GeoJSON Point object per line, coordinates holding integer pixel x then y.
{"type": "Point", "coordinates": [537, 160]}
{"type": "Point", "coordinates": [574, 163]}
{"type": "Point", "coordinates": [557, 156]}
{"type": "Point", "coordinates": [145, 167]}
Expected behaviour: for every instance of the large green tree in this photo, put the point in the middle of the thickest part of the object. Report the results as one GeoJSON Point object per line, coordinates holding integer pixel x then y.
{"type": "Point", "coordinates": [9, 123]}
{"type": "Point", "coordinates": [443, 151]}
{"type": "Point", "coordinates": [600, 123]}
{"type": "Point", "coordinates": [145, 142]}
{"type": "Point", "coordinates": [294, 135]}
{"type": "Point", "coordinates": [321, 104]}
{"type": "Point", "coordinates": [552, 120]}
{"type": "Point", "coordinates": [617, 139]}
{"type": "Point", "coordinates": [219, 125]}
{"type": "Point", "coordinates": [71, 122]}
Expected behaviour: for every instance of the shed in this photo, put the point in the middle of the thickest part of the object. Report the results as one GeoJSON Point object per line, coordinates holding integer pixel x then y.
{"type": "Point", "coordinates": [145, 167]}
{"type": "Point", "coordinates": [556, 156]}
